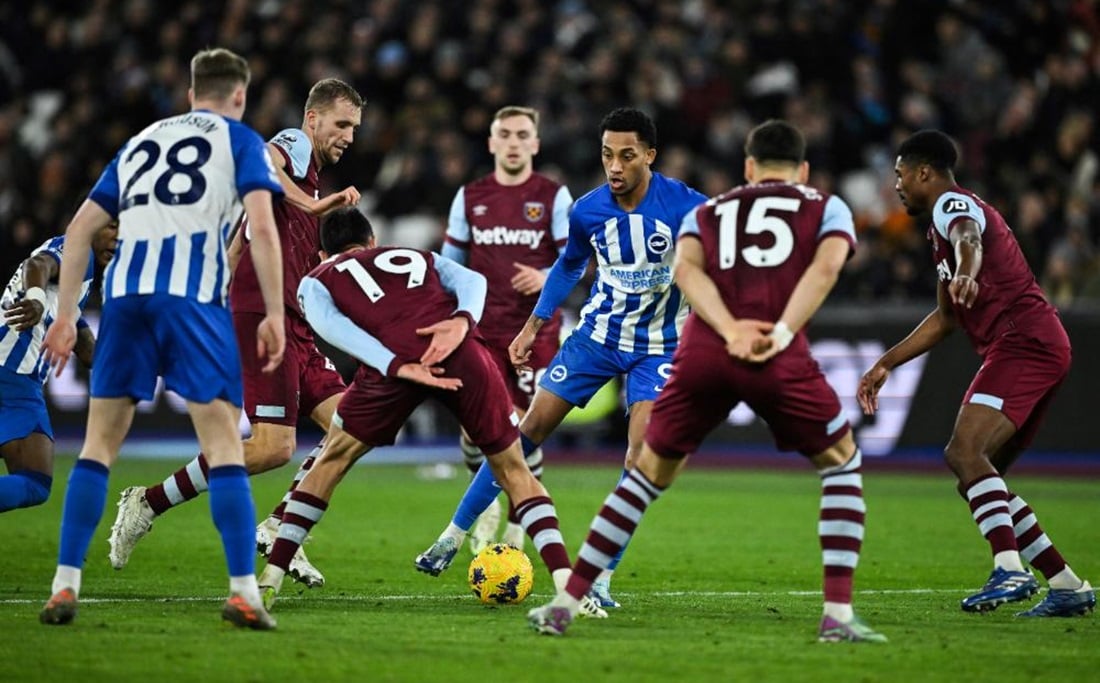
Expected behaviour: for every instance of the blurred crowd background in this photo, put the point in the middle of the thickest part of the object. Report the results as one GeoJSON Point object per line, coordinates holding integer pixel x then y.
{"type": "Point", "coordinates": [1016, 82]}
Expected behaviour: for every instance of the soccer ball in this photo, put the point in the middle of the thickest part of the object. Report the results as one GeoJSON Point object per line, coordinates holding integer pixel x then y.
{"type": "Point", "coordinates": [501, 574]}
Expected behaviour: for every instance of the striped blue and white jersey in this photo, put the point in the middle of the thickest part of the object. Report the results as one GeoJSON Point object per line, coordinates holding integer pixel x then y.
{"type": "Point", "coordinates": [176, 190]}
{"type": "Point", "coordinates": [633, 305]}
{"type": "Point", "coordinates": [21, 352]}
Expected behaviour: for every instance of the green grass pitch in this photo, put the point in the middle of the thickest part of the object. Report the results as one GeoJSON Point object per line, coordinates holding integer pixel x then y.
{"type": "Point", "coordinates": [721, 583]}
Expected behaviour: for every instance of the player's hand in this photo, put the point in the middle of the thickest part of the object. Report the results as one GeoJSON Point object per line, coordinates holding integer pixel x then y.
{"type": "Point", "coordinates": [446, 336]}
{"type": "Point", "coordinates": [519, 351]}
{"type": "Point", "coordinates": [748, 340]}
{"type": "Point", "coordinates": [24, 314]}
{"type": "Point", "coordinates": [271, 342]}
{"type": "Point", "coordinates": [527, 280]}
{"type": "Point", "coordinates": [869, 385]}
{"type": "Point", "coordinates": [963, 290]}
{"type": "Point", "coordinates": [58, 344]}
{"type": "Point", "coordinates": [428, 376]}
{"type": "Point", "coordinates": [349, 196]}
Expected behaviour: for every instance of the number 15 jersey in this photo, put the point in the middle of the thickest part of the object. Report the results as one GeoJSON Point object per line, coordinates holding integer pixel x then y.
{"type": "Point", "coordinates": [176, 190]}
{"type": "Point", "coordinates": [759, 239]}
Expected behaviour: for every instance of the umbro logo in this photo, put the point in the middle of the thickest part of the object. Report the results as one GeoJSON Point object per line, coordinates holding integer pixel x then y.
{"type": "Point", "coordinates": [480, 210]}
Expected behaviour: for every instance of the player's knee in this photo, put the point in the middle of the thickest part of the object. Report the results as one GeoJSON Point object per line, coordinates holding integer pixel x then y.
{"type": "Point", "coordinates": [35, 488]}
{"type": "Point", "coordinates": [263, 455]}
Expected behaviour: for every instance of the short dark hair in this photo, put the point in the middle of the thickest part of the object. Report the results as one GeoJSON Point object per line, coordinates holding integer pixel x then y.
{"type": "Point", "coordinates": [932, 147]}
{"type": "Point", "coordinates": [776, 140]}
{"type": "Point", "coordinates": [344, 227]}
{"type": "Point", "coordinates": [327, 91]}
{"type": "Point", "coordinates": [629, 120]}
{"type": "Point", "coordinates": [217, 72]}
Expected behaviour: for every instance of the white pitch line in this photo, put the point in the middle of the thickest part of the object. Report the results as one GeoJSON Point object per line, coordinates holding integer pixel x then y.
{"type": "Point", "coordinates": [312, 597]}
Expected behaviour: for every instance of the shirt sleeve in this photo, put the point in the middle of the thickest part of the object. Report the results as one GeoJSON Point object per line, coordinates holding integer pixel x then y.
{"type": "Point", "coordinates": [559, 221]}
{"type": "Point", "coordinates": [105, 192]}
{"type": "Point", "coordinates": [295, 144]}
{"type": "Point", "coordinates": [952, 207]}
{"type": "Point", "coordinates": [325, 318]}
{"type": "Point", "coordinates": [567, 270]}
{"type": "Point", "coordinates": [468, 286]}
{"type": "Point", "coordinates": [690, 224]}
{"type": "Point", "coordinates": [458, 228]}
{"type": "Point", "coordinates": [254, 169]}
{"type": "Point", "coordinates": [837, 219]}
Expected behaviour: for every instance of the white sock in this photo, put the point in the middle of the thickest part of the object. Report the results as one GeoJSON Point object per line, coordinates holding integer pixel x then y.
{"type": "Point", "coordinates": [841, 611]}
{"type": "Point", "coordinates": [561, 577]}
{"type": "Point", "coordinates": [1066, 579]}
{"type": "Point", "coordinates": [66, 577]}
{"type": "Point", "coordinates": [272, 576]}
{"type": "Point", "coordinates": [452, 531]}
{"type": "Point", "coordinates": [1008, 560]}
{"type": "Point", "coordinates": [247, 587]}
{"type": "Point", "coordinates": [605, 576]}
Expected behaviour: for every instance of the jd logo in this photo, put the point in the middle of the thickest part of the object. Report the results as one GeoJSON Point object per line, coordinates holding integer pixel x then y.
{"type": "Point", "coordinates": [956, 206]}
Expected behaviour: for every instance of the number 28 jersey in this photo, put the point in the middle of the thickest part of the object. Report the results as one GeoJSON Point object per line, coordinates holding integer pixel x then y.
{"type": "Point", "coordinates": [759, 239]}
{"type": "Point", "coordinates": [176, 189]}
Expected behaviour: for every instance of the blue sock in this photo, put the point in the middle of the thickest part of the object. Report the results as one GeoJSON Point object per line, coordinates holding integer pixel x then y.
{"type": "Point", "coordinates": [619, 555]}
{"type": "Point", "coordinates": [482, 490]}
{"type": "Point", "coordinates": [528, 445]}
{"type": "Point", "coordinates": [85, 498]}
{"type": "Point", "coordinates": [234, 516]}
{"type": "Point", "coordinates": [24, 489]}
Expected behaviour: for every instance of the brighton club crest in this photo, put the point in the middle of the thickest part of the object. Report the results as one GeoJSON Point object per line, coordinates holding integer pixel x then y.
{"type": "Point", "coordinates": [534, 210]}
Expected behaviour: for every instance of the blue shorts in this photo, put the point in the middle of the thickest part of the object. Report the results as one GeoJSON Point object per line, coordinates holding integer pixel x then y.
{"type": "Point", "coordinates": [191, 345]}
{"type": "Point", "coordinates": [22, 407]}
{"type": "Point", "coordinates": [582, 366]}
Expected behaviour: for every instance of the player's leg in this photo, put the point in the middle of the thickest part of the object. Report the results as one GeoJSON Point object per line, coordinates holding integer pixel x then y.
{"type": "Point", "coordinates": [109, 420]}
{"type": "Point", "coordinates": [610, 532]}
{"type": "Point", "coordinates": [231, 508]}
{"type": "Point", "coordinates": [547, 411]}
{"type": "Point", "coordinates": [320, 388]}
{"type": "Point", "coordinates": [644, 383]}
{"type": "Point", "coordinates": [1067, 594]}
{"type": "Point", "coordinates": [840, 532]}
{"type": "Point", "coordinates": [308, 503]}
{"type": "Point", "coordinates": [677, 424]}
{"type": "Point", "coordinates": [26, 442]}
{"type": "Point", "coordinates": [129, 348]}
{"type": "Point", "coordinates": [271, 405]}
{"type": "Point", "coordinates": [980, 431]}
{"type": "Point", "coordinates": [30, 471]}
{"type": "Point", "coordinates": [483, 532]}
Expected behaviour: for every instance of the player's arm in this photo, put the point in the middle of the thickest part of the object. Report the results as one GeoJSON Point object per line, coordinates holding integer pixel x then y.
{"type": "Point", "coordinates": [966, 238]}
{"type": "Point", "coordinates": [564, 275]}
{"type": "Point", "coordinates": [267, 255]}
{"type": "Point", "coordinates": [456, 239]}
{"type": "Point", "coordinates": [297, 196]}
{"type": "Point", "coordinates": [689, 273]}
{"type": "Point", "coordinates": [85, 343]}
{"type": "Point", "coordinates": [61, 335]}
{"type": "Point", "coordinates": [812, 288]}
{"type": "Point", "coordinates": [38, 271]}
{"type": "Point", "coordinates": [469, 288]}
{"type": "Point", "coordinates": [935, 327]}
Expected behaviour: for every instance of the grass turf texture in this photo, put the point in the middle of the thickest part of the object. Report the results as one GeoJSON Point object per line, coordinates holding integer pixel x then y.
{"type": "Point", "coordinates": [722, 582]}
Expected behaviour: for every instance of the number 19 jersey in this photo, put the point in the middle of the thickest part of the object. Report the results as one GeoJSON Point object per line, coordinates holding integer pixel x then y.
{"type": "Point", "coordinates": [176, 190]}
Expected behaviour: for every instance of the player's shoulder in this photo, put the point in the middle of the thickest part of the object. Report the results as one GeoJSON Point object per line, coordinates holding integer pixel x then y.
{"type": "Point", "coordinates": [542, 181]}
{"type": "Point", "coordinates": [294, 141]}
{"type": "Point", "coordinates": [592, 200]}
{"type": "Point", "coordinates": [53, 246]}
{"type": "Point", "coordinates": [676, 189]}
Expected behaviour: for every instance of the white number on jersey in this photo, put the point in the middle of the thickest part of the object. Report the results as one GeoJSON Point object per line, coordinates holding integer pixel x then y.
{"type": "Point", "coordinates": [758, 222]}
{"type": "Point", "coordinates": [415, 267]}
